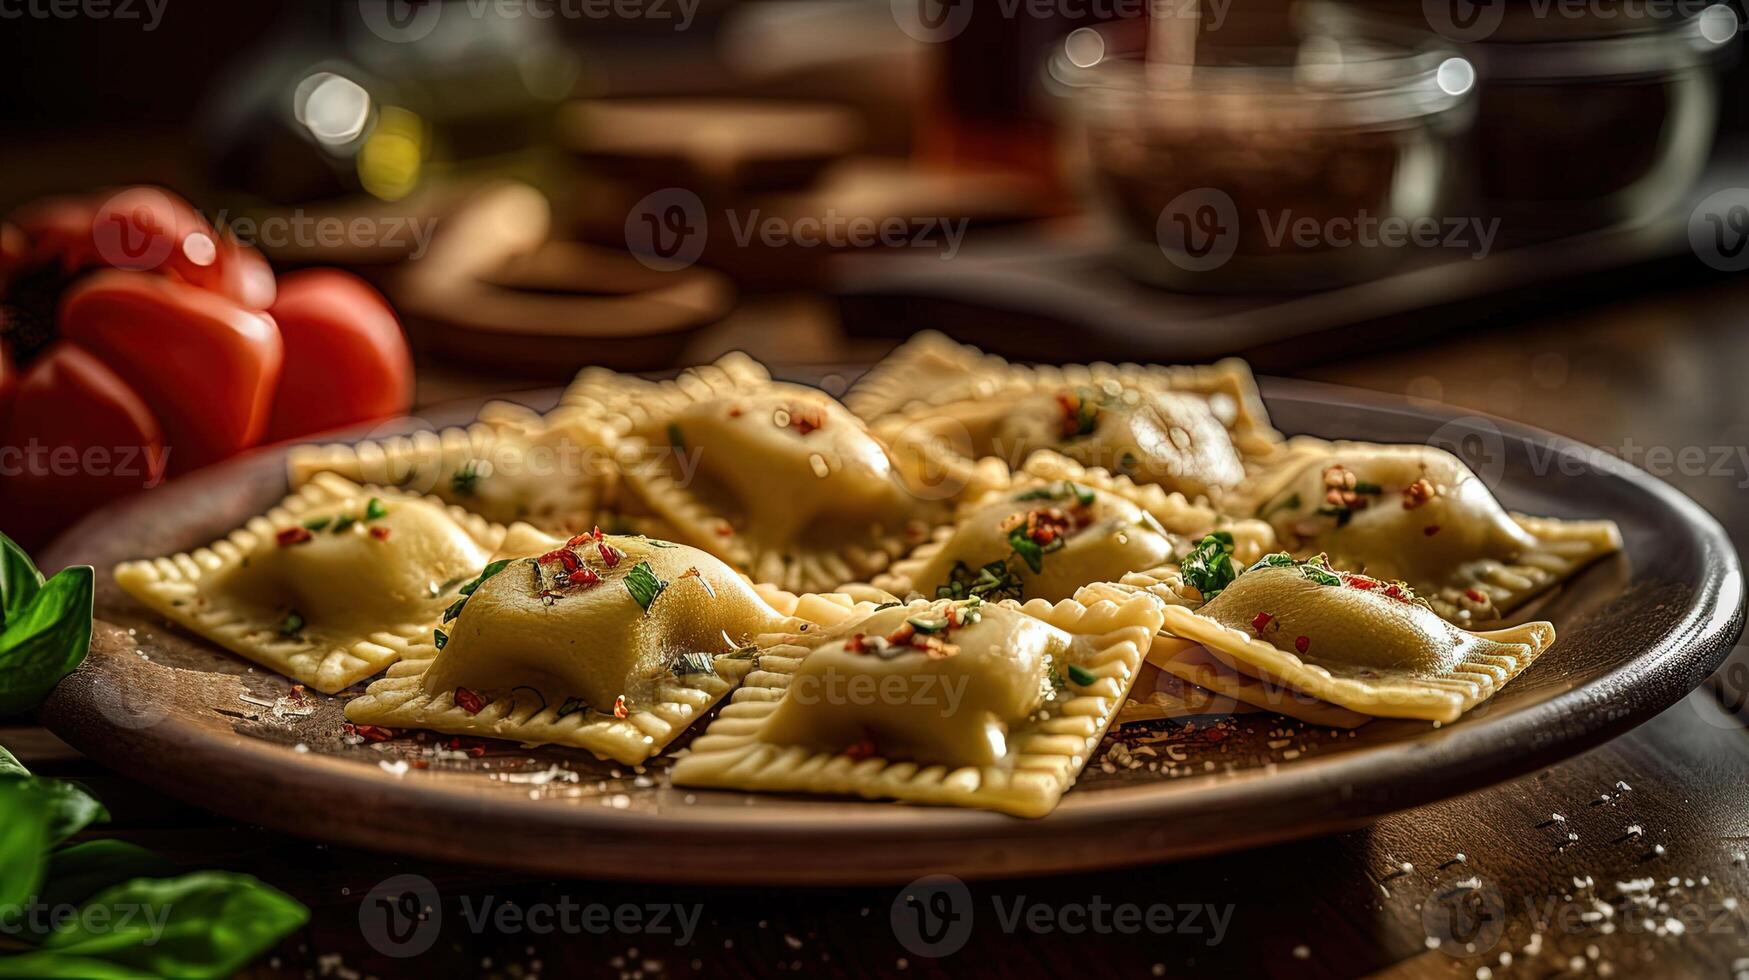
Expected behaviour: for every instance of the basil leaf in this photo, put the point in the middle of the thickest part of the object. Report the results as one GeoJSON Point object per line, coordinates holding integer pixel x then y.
{"type": "Point", "coordinates": [9, 764]}
{"type": "Point", "coordinates": [643, 584]}
{"type": "Point", "coordinates": [1209, 566]}
{"type": "Point", "coordinates": [45, 641]}
{"type": "Point", "coordinates": [70, 808]}
{"type": "Point", "coordinates": [78, 872]}
{"type": "Point", "coordinates": [206, 924]}
{"type": "Point", "coordinates": [24, 837]}
{"type": "Point", "coordinates": [1028, 549]}
{"type": "Point", "coordinates": [40, 965]}
{"type": "Point", "coordinates": [19, 580]}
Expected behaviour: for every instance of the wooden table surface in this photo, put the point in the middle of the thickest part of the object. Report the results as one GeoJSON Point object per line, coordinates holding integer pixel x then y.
{"type": "Point", "coordinates": [1626, 861]}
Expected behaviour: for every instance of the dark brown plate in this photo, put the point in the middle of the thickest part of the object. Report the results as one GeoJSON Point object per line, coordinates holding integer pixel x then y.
{"type": "Point", "coordinates": [1637, 632]}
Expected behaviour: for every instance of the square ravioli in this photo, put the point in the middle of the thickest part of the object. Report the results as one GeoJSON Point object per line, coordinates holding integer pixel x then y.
{"type": "Point", "coordinates": [779, 480]}
{"type": "Point", "coordinates": [1418, 514]}
{"type": "Point", "coordinates": [333, 585]}
{"type": "Point", "coordinates": [1351, 641]}
{"type": "Point", "coordinates": [996, 705]}
{"type": "Point", "coordinates": [556, 472]}
{"type": "Point", "coordinates": [609, 643]}
{"type": "Point", "coordinates": [1194, 429]}
{"type": "Point", "coordinates": [1056, 528]}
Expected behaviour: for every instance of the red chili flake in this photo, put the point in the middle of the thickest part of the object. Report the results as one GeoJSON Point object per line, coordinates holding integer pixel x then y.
{"type": "Point", "coordinates": [1394, 592]}
{"type": "Point", "coordinates": [370, 733]}
{"type": "Point", "coordinates": [563, 556]}
{"type": "Point", "coordinates": [619, 707]}
{"type": "Point", "coordinates": [855, 644]}
{"type": "Point", "coordinates": [1260, 621]}
{"type": "Point", "coordinates": [610, 555]}
{"type": "Point", "coordinates": [1361, 582]}
{"type": "Point", "coordinates": [292, 535]}
{"type": "Point", "coordinates": [903, 635]}
{"type": "Point", "coordinates": [297, 693]}
{"type": "Point", "coordinates": [1430, 530]}
{"type": "Point", "coordinates": [735, 411]}
{"type": "Point", "coordinates": [1302, 642]}
{"type": "Point", "coordinates": [806, 418]}
{"type": "Point", "coordinates": [419, 763]}
{"type": "Point", "coordinates": [583, 578]}
{"type": "Point", "coordinates": [724, 529]}
{"type": "Point", "coordinates": [380, 533]}
{"type": "Point", "coordinates": [861, 750]}
{"type": "Point", "coordinates": [1475, 596]}
{"type": "Point", "coordinates": [470, 702]}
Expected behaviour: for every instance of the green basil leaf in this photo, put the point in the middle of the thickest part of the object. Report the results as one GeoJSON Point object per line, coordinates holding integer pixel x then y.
{"type": "Point", "coordinates": [9, 764]}
{"type": "Point", "coordinates": [40, 965]}
{"type": "Point", "coordinates": [71, 809]}
{"type": "Point", "coordinates": [19, 580]}
{"type": "Point", "coordinates": [78, 872]}
{"type": "Point", "coordinates": [24, 837]}
{"type": "Point", "coordinates": [46, 640]}
{"type": "Point", "coordinates": [206, 924]}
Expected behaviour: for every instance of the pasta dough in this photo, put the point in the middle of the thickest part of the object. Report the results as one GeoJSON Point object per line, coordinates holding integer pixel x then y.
{"type": "Point", "coordinates": [608, 643]}
{"type": "Point", "coordinates": [963, 702]}
{"type": "Point", "coordinates": [333, 585]}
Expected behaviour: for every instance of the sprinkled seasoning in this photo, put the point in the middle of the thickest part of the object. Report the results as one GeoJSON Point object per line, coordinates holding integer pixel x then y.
{"type": "Point", "coordinates": [380, 533]}
{"type": "Point", "coordinates": [468, 701]}
{"type": "Point", "coordinates": [292, 535]}
{"type": "Point", "coordinates": [439, 638]}
{"type": "Point", "coordinates": [1430, 530]}
{"type": "Point", "coordinates": [1302, 643]}
{"type": "Point", "coordinates": [1418, 493]}
{"type": "Point", "coordinates": [374, 509]}
{"type": "Point", "coordinates": [861, 750]}
{"type": "Point", "coordinates": [619, 707]}
{"type": "Point", "coordinates": [1260, 622]}
{"type": "Point", "coordinates": [1081, 676]}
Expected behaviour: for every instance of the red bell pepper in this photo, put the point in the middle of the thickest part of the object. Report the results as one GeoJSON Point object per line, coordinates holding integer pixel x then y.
{"type": "Point", "coordinates": [138, 340]}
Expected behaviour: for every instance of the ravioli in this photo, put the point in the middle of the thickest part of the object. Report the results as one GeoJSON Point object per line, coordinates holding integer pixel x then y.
{"type": "Point", "coordinates": [1191, 429]}
{"type": "Point", "coordinates": [1417, 514]}
{"type": "Point", "coordinates": [960, 702]}
{"type": "Point", "coordinates": [779, 480]}
{"type": "Point", "coordinates": [608, 643]}
{"type": "Point", "coordinates": [1353, 641]}
{"type": "Point", "coordinates": [557, 473]}
{"type": "Point", "coordinates": [1033, 541]}
{"type": "Point", "coordinates": [333, 585]}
